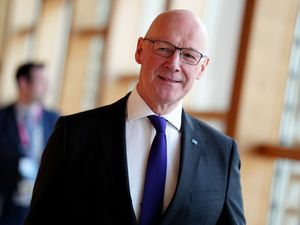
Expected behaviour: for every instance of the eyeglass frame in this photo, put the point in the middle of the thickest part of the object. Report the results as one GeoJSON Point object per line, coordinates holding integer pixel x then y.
{"type": "Point", "coordinates": [176, 48]}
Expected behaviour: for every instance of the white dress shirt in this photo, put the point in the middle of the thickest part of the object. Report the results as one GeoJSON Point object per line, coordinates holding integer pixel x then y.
{"type": "Point", "coordinates": [33, 114]}
{"type": "Point", "coordinates": [139, 136]}
{"type": "Point", "coordinates": [30, 127]}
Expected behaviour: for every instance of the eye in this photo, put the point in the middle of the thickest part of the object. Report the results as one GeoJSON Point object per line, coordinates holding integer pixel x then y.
{"type": "Point", "coordinates": [188, 56]}
{"type": "Point", "coordinates": [164, 50]}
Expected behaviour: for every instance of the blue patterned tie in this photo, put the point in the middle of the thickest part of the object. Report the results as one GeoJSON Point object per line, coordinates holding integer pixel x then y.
{"type": "Point", "coordinates": [155, 178]}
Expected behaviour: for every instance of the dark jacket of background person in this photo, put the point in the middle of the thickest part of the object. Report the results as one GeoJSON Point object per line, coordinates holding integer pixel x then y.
{"type": "Point", "coordinates": [11, 151]}
{"type": "Point", "coordinates": [25, 127]}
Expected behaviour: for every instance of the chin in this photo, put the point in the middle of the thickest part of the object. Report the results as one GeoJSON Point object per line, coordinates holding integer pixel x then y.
{"type": "Point", "coordinates": [168, 99]}
{"type": "Point", "coordinates": [166, 96]}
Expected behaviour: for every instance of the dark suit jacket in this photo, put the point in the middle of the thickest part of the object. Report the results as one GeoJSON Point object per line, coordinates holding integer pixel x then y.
{"type": "Point", "coordinates": [11, 148]}
{"type": "Point", "coordinates": [83, 178]}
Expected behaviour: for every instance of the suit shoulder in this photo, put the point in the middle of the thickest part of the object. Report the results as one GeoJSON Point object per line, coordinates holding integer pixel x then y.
{"type": "Point", "coordinates": [100, 113]}
{"type": "Point", "coordinates": [6, 110]}
{"type": "Point", "coordinates": [51, 113]}
{"type": "Point", "coordinates": [209, 131]}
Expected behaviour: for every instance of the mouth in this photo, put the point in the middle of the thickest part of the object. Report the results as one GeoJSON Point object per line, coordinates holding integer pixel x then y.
{"type": "Point", "coordinates": [170, 80]}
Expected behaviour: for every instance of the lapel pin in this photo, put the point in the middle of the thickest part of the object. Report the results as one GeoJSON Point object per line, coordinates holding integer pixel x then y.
{"type": "Point", "coordinates": [194, 141]}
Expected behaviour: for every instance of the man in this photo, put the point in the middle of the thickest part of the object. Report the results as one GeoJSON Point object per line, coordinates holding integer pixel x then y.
{"type": "Point", "coordinates": [143, 160]}
{"type": "Point", "coordinates": [24, 130]}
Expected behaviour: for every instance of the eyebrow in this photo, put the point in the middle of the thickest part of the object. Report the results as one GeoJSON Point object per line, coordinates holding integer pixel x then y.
{"type": "Point", "coordinates": [190, 48]}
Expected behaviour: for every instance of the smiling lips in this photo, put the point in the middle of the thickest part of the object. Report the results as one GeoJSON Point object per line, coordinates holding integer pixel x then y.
{"type": "Point", "coordinates": [168, 79]}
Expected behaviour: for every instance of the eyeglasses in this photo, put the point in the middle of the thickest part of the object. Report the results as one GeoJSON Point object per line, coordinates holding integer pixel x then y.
{"type": "Point", "coordinates": [166, 49]}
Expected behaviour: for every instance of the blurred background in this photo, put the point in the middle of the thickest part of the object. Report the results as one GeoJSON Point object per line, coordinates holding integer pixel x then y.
{"type": "Point", "coordinates": [251, 89]}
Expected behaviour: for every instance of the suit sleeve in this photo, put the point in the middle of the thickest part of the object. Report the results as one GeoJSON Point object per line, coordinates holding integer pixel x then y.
{"type": "Point", "coordinates": [233, 213]}
{"type": "Point", "coordinates": [47, 202]}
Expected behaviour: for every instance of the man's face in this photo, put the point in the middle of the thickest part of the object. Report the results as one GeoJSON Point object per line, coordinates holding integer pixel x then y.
{"type": "Point", "coordinates": [36, 88]}
{"type": "Point", "coordinates": [166, 80]}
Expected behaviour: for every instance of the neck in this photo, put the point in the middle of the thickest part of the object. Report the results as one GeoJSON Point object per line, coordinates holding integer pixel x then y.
{"type": "Point", "coordinates": [157, 108]}
{"type": "Point", "coordinates": [26, 101]}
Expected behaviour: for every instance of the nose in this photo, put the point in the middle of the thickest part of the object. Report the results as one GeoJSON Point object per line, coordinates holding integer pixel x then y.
{"type": "Point", "coordinates": [173, 62]}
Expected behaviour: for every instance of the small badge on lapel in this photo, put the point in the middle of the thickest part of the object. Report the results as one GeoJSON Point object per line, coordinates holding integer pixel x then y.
{"type": "Point", "coordinates": [194, 141]}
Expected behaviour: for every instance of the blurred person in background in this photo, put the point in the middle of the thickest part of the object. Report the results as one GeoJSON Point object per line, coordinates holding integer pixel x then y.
{"type": "Point", "coordinates": [25, 127]}
{"type": "Point", "coordinates": [143, 160]}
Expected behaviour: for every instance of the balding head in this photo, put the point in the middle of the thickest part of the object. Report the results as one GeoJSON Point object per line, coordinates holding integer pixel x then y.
{"type": "Point", "coordinates": [171, 59]}
{"type": "Point", "coordinates": [180, 27]}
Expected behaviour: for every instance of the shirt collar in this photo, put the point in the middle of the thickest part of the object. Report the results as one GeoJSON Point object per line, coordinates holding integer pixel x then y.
{"type": "Point", "coordinates": [137, 108]}
{"type": "Point", "coordinates": [34, 110]}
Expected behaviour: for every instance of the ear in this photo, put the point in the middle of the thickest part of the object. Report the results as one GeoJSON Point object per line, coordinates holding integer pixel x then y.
{"type": "Point", "coordinates": [138, 51]}
{"type": "Point", "coordinates": [202, 68]}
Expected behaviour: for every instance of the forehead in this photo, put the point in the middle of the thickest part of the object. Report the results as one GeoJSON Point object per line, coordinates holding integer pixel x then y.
{"type": "Point", "coordinates": [181, 30]}
{"type": "Point", "coordinates": [38, 73]}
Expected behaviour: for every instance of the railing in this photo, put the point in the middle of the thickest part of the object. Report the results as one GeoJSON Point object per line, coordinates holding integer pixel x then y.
{"type": "Point", "coordinates": [279, 151]}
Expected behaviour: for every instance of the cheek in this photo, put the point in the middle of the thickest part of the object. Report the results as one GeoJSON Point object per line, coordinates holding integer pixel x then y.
{"type": "Point", "coordinates": [40, 88]}
{"type": "Point", "coordinates": [148, 70]}
{"type": "Point", "coordinates": [190, 76]}
{"type": "Point", "coordinates": [152, 61]}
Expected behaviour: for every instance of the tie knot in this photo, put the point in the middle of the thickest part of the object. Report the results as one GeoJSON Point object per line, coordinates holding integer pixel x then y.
{"type": "Point", "coordinates": [158, 122]}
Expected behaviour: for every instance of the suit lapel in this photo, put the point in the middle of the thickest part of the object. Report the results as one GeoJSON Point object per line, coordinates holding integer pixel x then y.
{"type": "Point", "coordinates": [189, 160]}
{"type": "Point", "coordinates": [13, 128]}
{"type": "Point", "coordinates": [46, 127]}
{"type": "Point", "coordinates": [112, 136]}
